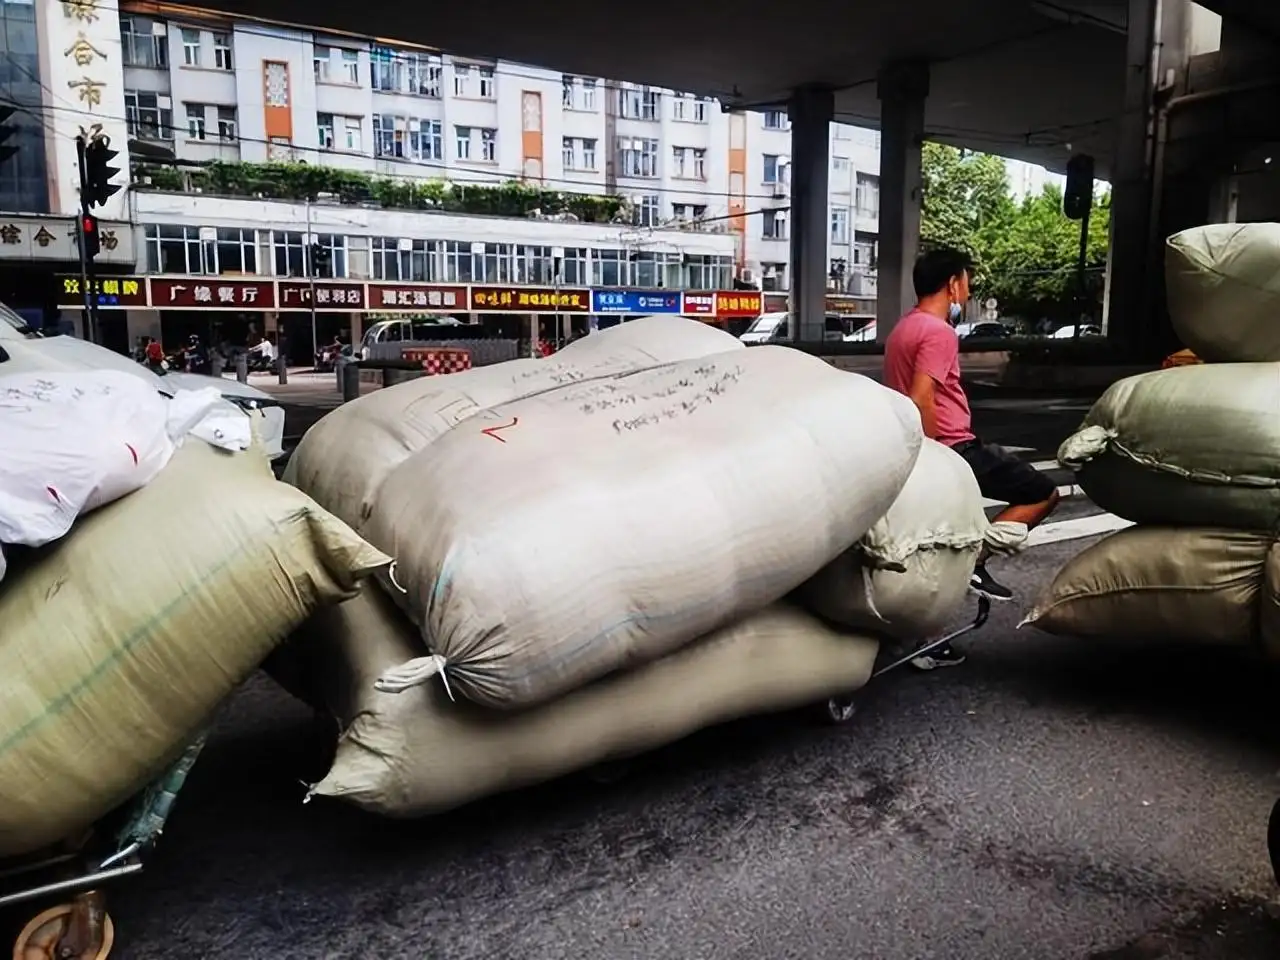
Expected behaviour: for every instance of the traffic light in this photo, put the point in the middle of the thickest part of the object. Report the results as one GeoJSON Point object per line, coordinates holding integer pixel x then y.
{"type": "Point", "coordinates": [98, 172]}
{"type": "Point", "coordinates": [321, 258]}
{"type": "Point", "coordinates": [7, 130]}
{"type": "Point", "coordinates": [90, 240]}
{"type": "Point", "coordinates": [1077, 198]}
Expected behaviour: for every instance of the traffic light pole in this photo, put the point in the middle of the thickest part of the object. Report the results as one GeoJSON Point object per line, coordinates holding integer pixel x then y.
{"type": "Point", "coordinates": [87, 278]}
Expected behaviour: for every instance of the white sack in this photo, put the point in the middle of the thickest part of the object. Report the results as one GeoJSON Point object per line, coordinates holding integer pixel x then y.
{"type": "Point", "coordinates": [344, 458]}
{"type": "Point", "coordinates": [907, 577]}
{"type": "Point", "coordinates": [72, 442]}
{"type": "Point", "coordinates": [548, 542]}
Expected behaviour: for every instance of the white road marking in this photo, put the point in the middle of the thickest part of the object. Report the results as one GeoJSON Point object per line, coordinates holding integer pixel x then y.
{"type": "Point", "coordinates": [1076, 529]}
{"type": "Point", "coordinates": [1064, 491]}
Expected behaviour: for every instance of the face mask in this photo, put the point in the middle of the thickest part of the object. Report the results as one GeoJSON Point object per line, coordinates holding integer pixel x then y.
{"type": "Point", "coordinates": [953, 313]}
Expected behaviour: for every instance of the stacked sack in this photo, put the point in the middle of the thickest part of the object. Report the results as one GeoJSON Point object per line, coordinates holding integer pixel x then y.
{"type": "Point", "coordinates": [594, 554]}
{"type": "Point", "coordinates": [1192, 455]}
{"type": "Point", "coordinates": [169, 569]}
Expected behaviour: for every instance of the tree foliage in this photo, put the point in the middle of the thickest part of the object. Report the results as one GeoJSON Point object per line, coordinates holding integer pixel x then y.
{"type": "Point", "coordinates": [1026, 252]}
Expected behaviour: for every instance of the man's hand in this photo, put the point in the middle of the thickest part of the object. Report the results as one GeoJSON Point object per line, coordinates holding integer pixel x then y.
{"type": "Point", "coordinates": [922, 396]}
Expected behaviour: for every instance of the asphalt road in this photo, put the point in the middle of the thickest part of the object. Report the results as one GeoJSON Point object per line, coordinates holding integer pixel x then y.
{"type": "Point", "coordinates": [1050, 799]}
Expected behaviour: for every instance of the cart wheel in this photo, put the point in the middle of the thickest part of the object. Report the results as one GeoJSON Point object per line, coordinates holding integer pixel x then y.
{"type": "Point", "coordinates": [839, 709]}
{"type": "Point", "coordinates": [39, 939]}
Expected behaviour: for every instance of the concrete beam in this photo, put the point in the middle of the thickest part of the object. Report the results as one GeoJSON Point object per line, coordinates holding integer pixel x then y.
{"type": "Point", "coordinates": [810, 111]}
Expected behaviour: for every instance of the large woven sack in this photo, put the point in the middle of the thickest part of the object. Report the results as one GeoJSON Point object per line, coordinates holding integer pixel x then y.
{"type": "Point", "coordinates": [550, 541]}
{"type": "Point", "coordinates": [120, 640]}
{"type": "Point", "coordinates": [417, 753]}
{"type": "Point", "coordinates": [1160, 583]}
{"type": "Point", "coordinates": [343, 458]}
{"type": "Point", "coordinates": [1223, 282]}
{"type": "Point", "coordinates": [1197, 445]}
{"type": "Point", "coordinates": [907, 577]}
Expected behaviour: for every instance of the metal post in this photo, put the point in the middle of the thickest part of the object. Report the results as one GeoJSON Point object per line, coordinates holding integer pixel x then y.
{"type": "Point", "coordinates": [87, 281]}
{"type": "Point", "coordinates": [1082, 258]}
{"type": "Point", "coordinates": [282, 361]}
{"type": "Point", "coordinates": [350, 381]}
{"type": "Point", "coordinates": [242, 367]}
{"type": "Point", "coordinates": [309, 260]}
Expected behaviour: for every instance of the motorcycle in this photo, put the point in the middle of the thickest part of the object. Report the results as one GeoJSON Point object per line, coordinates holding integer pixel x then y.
{"type": "Point", "coordinates": [327, 358]}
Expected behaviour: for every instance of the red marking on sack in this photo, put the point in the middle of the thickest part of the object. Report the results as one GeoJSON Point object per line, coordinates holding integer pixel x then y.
{"type": "Point", "coordinates": [493, 431]}
{"type": "Point", "coordinates": [54, 493]}
{"type": "Point", "coordinates": [133, 452]}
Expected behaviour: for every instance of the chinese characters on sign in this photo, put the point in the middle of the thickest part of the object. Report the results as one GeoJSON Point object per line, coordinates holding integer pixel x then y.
{"type": "Point", "coordinates": [221, 293]}
{"type": "Point", "coordinates": [634, 301]}
{"type": "Point", "coordinates": [83, 10]}
{"type": "Point", "coordinates": [44, 238]}
{"type": "Point", "coordinates": [88, 90]}
{"type": "Point", "coordinates": [330, 295]}
{"type": "Point", "coordinates": [730, 304]}
{"type": "Point", "coordinates": [398, 296]}
{"type": "Point", "coordinates": [111, 292]}
{"type": "Point", "coordinates": [82, 51]}
{"type": "Point", "coordinates": [699, 305]}
{"type": "Point", "coordinates": [10, 233]}
{"type": "Point", "coordinates": [527, 300]}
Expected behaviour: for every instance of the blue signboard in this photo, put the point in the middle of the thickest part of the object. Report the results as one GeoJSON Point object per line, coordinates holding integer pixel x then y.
{"type": "Point", "coordinates": [634, 301]}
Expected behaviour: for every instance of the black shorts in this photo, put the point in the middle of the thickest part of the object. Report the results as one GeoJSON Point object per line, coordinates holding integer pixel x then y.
{"type": "Point", "coordinates": [1004, 476]}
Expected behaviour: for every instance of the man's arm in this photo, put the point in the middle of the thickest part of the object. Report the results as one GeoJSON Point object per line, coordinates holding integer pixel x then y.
{"type": "Point", "coordinates": [922, 396]}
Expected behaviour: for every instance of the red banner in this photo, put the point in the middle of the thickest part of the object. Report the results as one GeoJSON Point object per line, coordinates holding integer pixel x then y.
{"type": "Point", "coordinates": [698, 305]}
{"type": "Point", "coordinates": [737, 303]}
{"type": "Point", "coordinates": [341, 295]}
{"type": "Point", "coordinates": [529, 300]}
{"type": "Point", "coordinates": [416, 296]}
{"type": "Point", "coordinates": [214, 293]}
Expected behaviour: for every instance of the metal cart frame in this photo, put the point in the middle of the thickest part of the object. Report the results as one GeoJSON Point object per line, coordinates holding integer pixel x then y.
{"type": "Point", "coordinates": [841, 709]}
{"type": "Point", "coordinates": [81, 929]}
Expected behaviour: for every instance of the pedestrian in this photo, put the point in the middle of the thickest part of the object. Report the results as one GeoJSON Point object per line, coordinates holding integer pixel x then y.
{"type": "Point", "coordinates": [922, 360]}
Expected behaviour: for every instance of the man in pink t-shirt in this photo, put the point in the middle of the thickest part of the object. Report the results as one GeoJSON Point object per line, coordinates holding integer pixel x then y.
{"type": "Point", "coordinates": [922, 360]}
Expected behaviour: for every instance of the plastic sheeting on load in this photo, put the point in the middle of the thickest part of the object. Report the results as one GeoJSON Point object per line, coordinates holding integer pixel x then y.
{"type": "Point", "coordinates": [119, 640]}
{"type": "Point", "coordinates": [419, 753]}
{"type": "Point", "coordinates": [548, 542]}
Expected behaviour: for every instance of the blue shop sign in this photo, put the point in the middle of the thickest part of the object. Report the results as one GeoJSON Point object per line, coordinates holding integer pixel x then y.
{"type": "Point", "coordinates": [634, 301]}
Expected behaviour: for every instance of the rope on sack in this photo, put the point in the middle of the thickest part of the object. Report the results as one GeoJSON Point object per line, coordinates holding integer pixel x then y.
{"type": "Point", "coordinates": [414, 673]}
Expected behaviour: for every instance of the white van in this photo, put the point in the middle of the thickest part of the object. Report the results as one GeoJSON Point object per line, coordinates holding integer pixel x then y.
{"type": "Point", "coordinates": [399, 331]}
{"type": "Point", "coordinates": [773, 328]}
{"type": "Point", "coordinates": [23, 350]}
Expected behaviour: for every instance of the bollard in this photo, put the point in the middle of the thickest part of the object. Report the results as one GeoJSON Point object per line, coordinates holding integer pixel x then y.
{"type": "Point", "coordinates": [391, 377]}
{"type": "Point", "coordinates": [350, 381]}
{"type": "Point", "coordinates": [282, 368]}
{"type": "Point", "coordinates": [217, 363]}
{"type": "Point", "coordinates": [242, 367]}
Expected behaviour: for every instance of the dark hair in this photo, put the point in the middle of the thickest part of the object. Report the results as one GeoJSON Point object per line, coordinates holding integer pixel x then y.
{"type": "Point", "coordinates": [936, 267]}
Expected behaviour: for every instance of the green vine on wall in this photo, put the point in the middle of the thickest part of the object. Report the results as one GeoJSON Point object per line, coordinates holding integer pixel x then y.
{"type": "Point", "coordinates": [300, 181]}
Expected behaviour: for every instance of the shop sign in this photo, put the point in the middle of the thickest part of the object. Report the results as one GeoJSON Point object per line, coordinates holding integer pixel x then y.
{"type": "Point", "coordinates": [339, 295]}
{"type": "Point", "coordinates": [698, 304]}
{"type": "Point", "coordinates": [112, 292]}
{"type": "Point", "coordinates": [634, 301]}
{"type": "Point", "coordinates": [416, 296]}
{"type": "Point", "coordinates": [737, 303]}
{"type": "Point", "coordinates": [216, 293]}
{"type": "Point", "coordinates": [529, 300]}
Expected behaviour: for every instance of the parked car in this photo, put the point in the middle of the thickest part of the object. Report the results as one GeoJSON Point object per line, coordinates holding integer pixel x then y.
{"type": "Point", "coordinates": [775, 328]}
{"type": "Point", "coordinates": [1069, 332]}
{"type": "Point", "coordinates": [983, 330]}
{"type": "Point", "coordinates": [23, 350]}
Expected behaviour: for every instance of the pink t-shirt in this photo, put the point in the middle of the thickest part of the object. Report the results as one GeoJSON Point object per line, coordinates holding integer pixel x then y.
{"type": "Point", "coordinates": [921, 341]}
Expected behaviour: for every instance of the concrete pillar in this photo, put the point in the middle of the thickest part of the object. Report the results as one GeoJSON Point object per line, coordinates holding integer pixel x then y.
{"type": "Point", "coordinates": [810, 110]}
{"type": "Point", "coordinates": [902, 89]}
{"type": "Point", "coordinates": [1128, 302]}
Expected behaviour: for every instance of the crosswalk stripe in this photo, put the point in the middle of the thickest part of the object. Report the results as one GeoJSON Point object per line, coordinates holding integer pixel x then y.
{"type": "Point", "coordinates": [1076, 529]}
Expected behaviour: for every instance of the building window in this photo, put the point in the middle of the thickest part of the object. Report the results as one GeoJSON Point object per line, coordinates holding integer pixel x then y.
{"type": "Point", "coordinates": [195, 120]}
{"type": "Point", "coordinates": [589, 86]}
{"type": "Point", "coordinates": [488, 145]}
{"type": "Point", "coordinates": [394, 71]}
{"type": "Point", "coordinates": [461, 80]}
{"type": "Point", "coordinates": [776, 120]}
{"type": "Point", "coordinates": [190, 47]}
{"type": "Point", "coordinates": [492, 263]}
{"type": "Point", "coordinates": [320, 60]}
{"type": "Point", "coordinates": [772, 168]}
{"type": "Point", "coordinates": [352, 137]}
{"type": "Point", "coordinates": [574, 266]}
{"type": "Point", "coordinates": [351, 67]}
{"type": "Point", "coordinates": [839, 225]}
{"type": "Point", "coordinates": [639, 103]}
{"type": "Point", "coordinates": [222, 51]}
{"type": "Point", "coordinates": [178, 249]}
{"type": "Point", "coordinates": [488, 85]}
{"type": "Point", "coordinates": [579, 92]}
{"type": "Point", "coordinates": [289, 254]}
{"type": "Point", "coordinates": [407, 138]}
{"type": "Point", "coordinates": [579, 153]}
{"type": "Point", "coordinates": [226, 123]}
{"type": "Point", "coordinates": [456, 258]}
{"type": "Point", "coordinates": [775, 225]}
{"type": "Point", "coordinates": [637, 157]}
{"type": "Point", "coordinates": [688, 212]}
{"type": "Point", "coordinates": [145, 118]}
{"type": "Point", "coordinates": [868, 195]}
{"type": "Point", "coordinates": [324, 130]}
{"type": "Point", "coordinates": [644, 211]}
{"type": "Point", "coordinates": [141, 46]}
{"type": "Point", "coordinates": [333, 261]}
{"type": "Point", "coordinates": [688, 108]}
{"type": "Point", "coordinates": [608, 268]}
{"type": "Point", "coordinates": [237, 250]}
{"type": "Point", "coordinates": [463, 137]}
{"type": "Point", "coordinates": [708, 272]}
{"type": "Point", "coordinates": [534, 265]}
{"type": "Point", "coordinates": [773, 276]}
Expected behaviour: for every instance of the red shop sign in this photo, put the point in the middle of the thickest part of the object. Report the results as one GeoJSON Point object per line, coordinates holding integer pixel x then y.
{"type": "Point", "coordinates": [737, 303]}
{"type": "Point", "coordinates": [698, 304]}
{"type": "Point", "coordinates": [416, 296]}
{"type": "Point", "coordinates": [211, 293]}
{"type": "Point", "coordinates": [342, 295]}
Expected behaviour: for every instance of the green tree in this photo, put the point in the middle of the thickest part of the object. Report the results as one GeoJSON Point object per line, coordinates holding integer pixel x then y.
{"type": "Point", "coordinates": [963, 195]}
